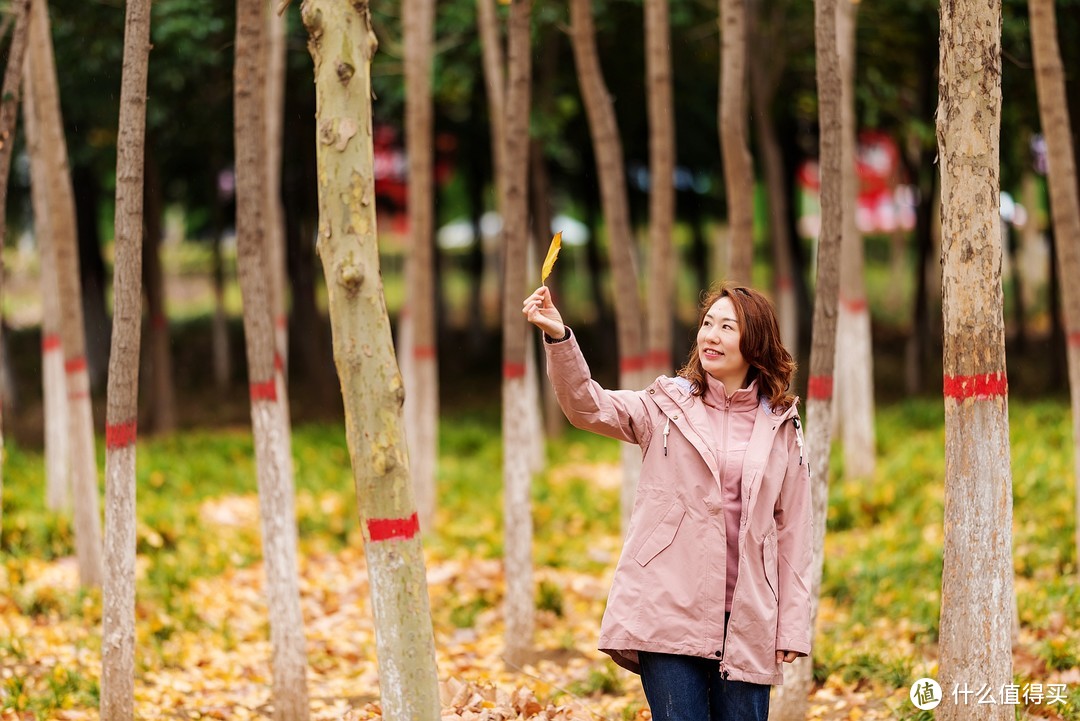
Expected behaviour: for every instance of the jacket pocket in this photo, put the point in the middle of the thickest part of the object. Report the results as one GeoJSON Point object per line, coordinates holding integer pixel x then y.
{"type": "Point", "coordinates": [768, 551]}
{"type": "Point", "coordinates": [662, 534]}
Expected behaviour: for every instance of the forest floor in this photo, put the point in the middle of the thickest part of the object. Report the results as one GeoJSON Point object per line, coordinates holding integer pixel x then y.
{"type": "Point", "coordinates": [202, 631]}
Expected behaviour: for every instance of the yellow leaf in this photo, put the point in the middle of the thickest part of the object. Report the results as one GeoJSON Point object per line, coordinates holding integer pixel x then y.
{"type": "Point", "coordinates": [552, 254]}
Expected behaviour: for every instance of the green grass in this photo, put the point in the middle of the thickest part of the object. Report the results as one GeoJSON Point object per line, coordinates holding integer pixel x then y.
{"type": "Point", "coordinates": [882, 572]}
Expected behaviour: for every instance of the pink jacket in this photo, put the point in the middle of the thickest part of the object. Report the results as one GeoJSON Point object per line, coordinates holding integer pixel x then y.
{"type": "Point", "coordinates": [668, 591]}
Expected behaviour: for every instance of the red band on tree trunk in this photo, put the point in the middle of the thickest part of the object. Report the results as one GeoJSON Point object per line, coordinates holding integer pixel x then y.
{"type": "Point", "coordinates": [75, 364]}
{"type": "Point", "coordinates": [854, 305]}
{"type": "Point", "coordinates": [265, 391]}
{"type": "Point", "coordinates": [1074, 338]}
{"type": "Point", "coordinates": [659, 359]}
{"type": "Point", "coordinates": [632, 364]}
{"type": "Point", "coordinates": [281, 322]}
{"type": "Point", "coordinates": [279, 362]}
{"type": "Point", "coordinates": [386, 529]}
{"type": "Point", "coordinates": [819, 388]}
{"type": "Point", "coordinates": [513, 370]}
{"type": "Point", "coordinates": [983, 386]}
{"type": "Point", "coordinates": [424, 352]}
{"type": "Point", "coordinates": [50, 342]}
{"type": "Point", "coordinates": [120, 435]}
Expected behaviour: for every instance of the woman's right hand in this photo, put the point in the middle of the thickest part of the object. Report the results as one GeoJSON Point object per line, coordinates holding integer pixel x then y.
{"type": "Point", "coordinates": [539, 310]}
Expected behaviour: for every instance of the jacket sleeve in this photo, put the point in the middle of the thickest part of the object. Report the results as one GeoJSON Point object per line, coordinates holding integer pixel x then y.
{"type": "Point", "coordinates": [587, 405]}
{"type": "Point", "coordinates": [794, 542]}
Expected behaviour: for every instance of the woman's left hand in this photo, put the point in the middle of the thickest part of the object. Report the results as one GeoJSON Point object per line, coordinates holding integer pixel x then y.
{"type": "Point", "coordinates": [786, 656]}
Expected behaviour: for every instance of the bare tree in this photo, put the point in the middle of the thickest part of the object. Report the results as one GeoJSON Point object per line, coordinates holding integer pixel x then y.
{"type": "Point", "coordinates": [738, 167]}
{"type": "Point", "coordinates": [854, 348]}
{"type": "Point", "coordinates": [61, 209]}
{"type": "Point", "coordinates": [54, 391]}
{"type": "Point", "coordinates": [342, 43]}
{"type": "Point", "coordinates": [660, 278]}
{"type": "Point", "coordinates": [517, 421]}
{"type": "Point", "coordinates": [9, 109]}
{"type": "Point", "coordinates": [792, 699]}
{"type": "Point", "coordinates": [1064, 195]}
{"type": "Point", "coordinates": [977, 575]}
{"type": "Point", "coordinates": [269, 423]}
{"type": "Point", "coordinates": [118, 594]}
{"type": "Point", "coordinates": [275, 49]}
{"type": "Point", "coordinates": [421, 370]}
{"type": "Point", "coordinates": [607, 147]}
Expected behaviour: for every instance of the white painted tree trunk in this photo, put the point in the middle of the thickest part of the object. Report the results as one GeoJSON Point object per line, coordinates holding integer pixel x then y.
{"type": "Point", "coordinates": [342, 43]}
{"type": "Point", "coordinates": [854, 407]}
{"type": "Point", "coordinates": [118, 593]}
{"type": "Point", "coordinates": [975, 636]}
{"type": "Point", "coordinates": [791, 700]}
{"type": "Point", "coordinates": [54, 391]}
{"type": "Point", "coordinates": [1064, 198]}
{"type": "Point", "coordinates": [422, 381]}
{"type": "Point", "coordinates": [273, 462]}
{"type": "Point", "coordinates": [61, 208]}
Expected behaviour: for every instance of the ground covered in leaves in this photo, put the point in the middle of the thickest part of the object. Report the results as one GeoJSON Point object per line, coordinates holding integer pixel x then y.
{"type": "Point", "coordinates": [203, 637]}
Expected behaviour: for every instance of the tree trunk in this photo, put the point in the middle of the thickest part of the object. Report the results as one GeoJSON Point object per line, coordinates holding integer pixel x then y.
{"type": "Point", "coordinates": [159, 362]}
{"type": "Point", "coordinates": [9, 108]}
{"type": "Point", "coordinates": [792, 699]}
{"type": "Point", "coordinates": [660, 277]}
{"type": "Point", "coordinates": [118, 594]}
{"type": "Point", "coordinates": [269, 422]}
{"type": "Point", "coordinates": [275, 48]}
{"type": "Point", "coordinates": [422, 370]}
{"type": "Point", "coordinates": [738, 167]}
{"type": "Point", "coordinates": [764, 81]}
{"type": "Point", "coordinates": [854, 351]}
{"type": "Point", "coordinates": [977, 576]}
{"type": "Point", "coordinates": [607, 147]}
{"type": "Point", "coordinates": [342, 43]}
{"type": "Point", "coordinates": [553, 419]}
{"type": "Point", "coordinates": [520, 605]}
{"type": "Point", "coordinates": [61, 209]}
{"type": "Point", "coordinates": [1064, 203]}
{"type": "Point", "coordinates": [54, 392]}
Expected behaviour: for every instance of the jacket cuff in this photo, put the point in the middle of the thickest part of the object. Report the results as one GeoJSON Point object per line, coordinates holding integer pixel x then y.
{"type": "Point", "coordinates": [792, 644]}
{"type": "Point", "coordinates": [566, 336]}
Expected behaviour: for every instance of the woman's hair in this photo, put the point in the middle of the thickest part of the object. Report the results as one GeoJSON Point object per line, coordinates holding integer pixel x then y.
{"type": "Point", "coordinates": [770, 363]}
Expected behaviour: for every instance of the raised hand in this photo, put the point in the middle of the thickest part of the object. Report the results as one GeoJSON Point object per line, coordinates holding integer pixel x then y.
{"type": "Point", "coordinates": [539, 310]}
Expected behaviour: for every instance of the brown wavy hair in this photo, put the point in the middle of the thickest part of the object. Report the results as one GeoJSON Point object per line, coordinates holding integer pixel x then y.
{"type": "Point", "coordinates": [759, 342]}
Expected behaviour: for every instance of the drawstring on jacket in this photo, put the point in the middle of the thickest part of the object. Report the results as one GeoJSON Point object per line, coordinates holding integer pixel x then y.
{"type": "Point", "coordinates": [798, 438]}
{"type": "Point", "coordinates": [667, 429]}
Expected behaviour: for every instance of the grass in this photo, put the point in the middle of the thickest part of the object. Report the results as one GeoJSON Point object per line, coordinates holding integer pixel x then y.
{"type": "Point", "coordinates": [881, 586]}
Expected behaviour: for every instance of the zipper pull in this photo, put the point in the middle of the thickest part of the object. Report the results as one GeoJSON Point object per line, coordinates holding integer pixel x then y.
{"type": "Point", "coordinates": [798, 438]}
{"type": "Point", "coordinates": [667, 429]}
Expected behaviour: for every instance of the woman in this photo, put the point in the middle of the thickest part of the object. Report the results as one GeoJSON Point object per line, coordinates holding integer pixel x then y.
{"type": "Point", "coordinates": [712, 591]}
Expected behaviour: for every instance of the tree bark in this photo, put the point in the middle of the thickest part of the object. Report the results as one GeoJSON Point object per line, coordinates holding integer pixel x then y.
{"type": "Point", "coordinates": [61, 209]}
{"type": "Point", "coordinates": [660, 277]}
{"type": "Point", "coordinates": [520, 605]}
{"type": "Point", "coordinates": [342, 43]}
{"type": "Point", "coordinates": [9, 108]}
{"type": "Point", "coordinates": [738, 167]}
{"type": "Point", "coordinates": [854, 347]}
{"type": "Point", "coordinates": [607, 147]}
{"type": "Point", "coordinates": [977, 576]}
{"type": "Point", "coordinates": [792, 699]}
{"type": "Point", "coordinates": [275, 48]}
{"type": "Point", "coordinates": [269, 422]}
{"type": "Point", "coordinates": [1064, 194]}
{"type": "Point", "coordinates": [118, 595]}
{"type": "Point", "coordinates": [421, 371]}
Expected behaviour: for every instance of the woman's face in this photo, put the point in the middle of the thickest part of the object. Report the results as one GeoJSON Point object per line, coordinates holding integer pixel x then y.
{"type": "Point", "coordinates": [718, 344]}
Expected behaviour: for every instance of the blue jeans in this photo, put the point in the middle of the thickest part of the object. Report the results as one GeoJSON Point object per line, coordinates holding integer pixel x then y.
{"type": "Point", "coordinates": [685, 688]}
